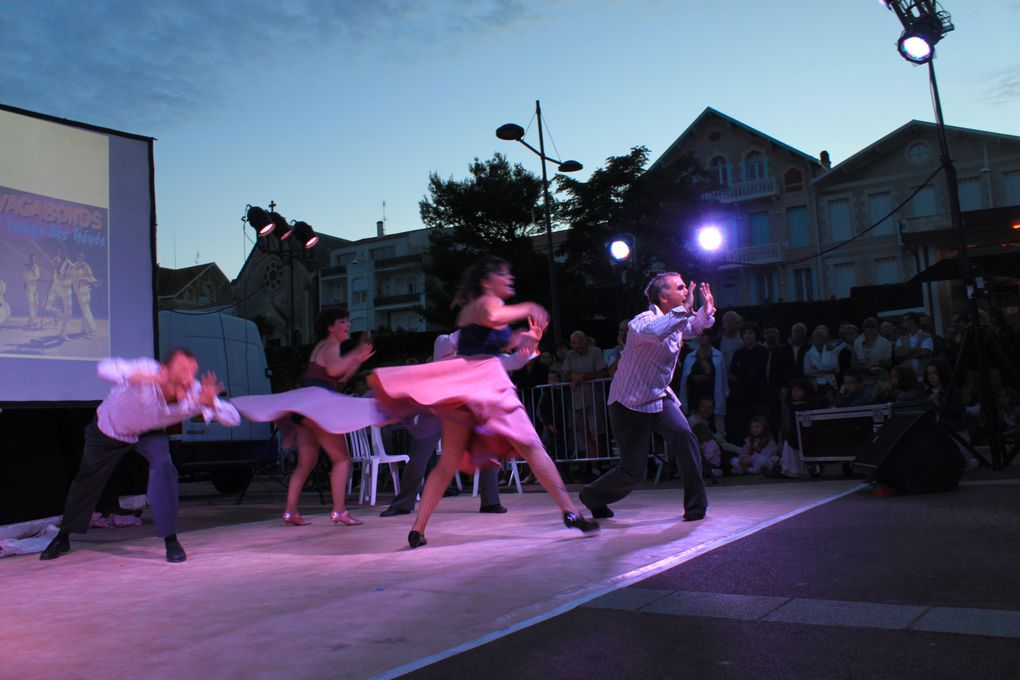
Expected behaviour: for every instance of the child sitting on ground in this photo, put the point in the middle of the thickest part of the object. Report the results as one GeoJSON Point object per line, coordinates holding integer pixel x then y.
{"type": "Point", "coordinates": [760, 453]}
{"type": "Point", "coordinates": [711, 456]}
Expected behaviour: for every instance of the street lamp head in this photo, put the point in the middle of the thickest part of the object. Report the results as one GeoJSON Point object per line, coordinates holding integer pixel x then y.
{"type": "Point", "coordinates": [570, 166]}
{"type": "Point", "coordinates": [510, 132]}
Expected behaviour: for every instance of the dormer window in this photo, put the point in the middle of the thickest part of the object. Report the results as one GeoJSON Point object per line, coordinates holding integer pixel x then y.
{"type": "Point", "coordinates": [720, 170]}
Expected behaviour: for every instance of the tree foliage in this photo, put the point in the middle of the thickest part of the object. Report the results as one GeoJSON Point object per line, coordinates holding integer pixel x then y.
{"type": "Point", "coordinates": [658, 206]}
{"type": "Point", "coordinates": [494, 211]}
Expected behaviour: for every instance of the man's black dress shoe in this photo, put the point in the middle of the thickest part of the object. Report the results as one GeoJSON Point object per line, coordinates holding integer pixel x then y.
{"type": "Point", "coordinates": [694, 515]}
{"type": "Point", "coordinates": [58, 546]}
{"type": "Point", "coordinates": [174, 552]}
{"type": "Point", "coordinates": [597, 511]}
{"type": "Point", "coordinates": [414, 539]}
{"type": "Point", "coordinates": [495, 508]}
{"type": "Point", "coordinates": [393, 512]}
{"type": "Point", "coordinates": [575, 521]}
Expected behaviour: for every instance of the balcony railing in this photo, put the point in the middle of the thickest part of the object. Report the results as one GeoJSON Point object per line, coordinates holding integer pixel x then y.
{"type": "Point", "coordinates": [337, 270]}
{"type": "Point", "coordinates": [403, 299]}
{"type": "Point", "coordinates": [398, 261]}
{"type": "Point", "coordinates": [743, 191]}
{"type": "Point", "coordinates": [765, 253]}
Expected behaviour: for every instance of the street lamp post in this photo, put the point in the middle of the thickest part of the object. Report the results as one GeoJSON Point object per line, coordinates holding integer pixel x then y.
{"type": "Point", "coordinates": [515, 133]}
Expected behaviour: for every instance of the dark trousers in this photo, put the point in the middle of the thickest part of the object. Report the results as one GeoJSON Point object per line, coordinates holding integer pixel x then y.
{"type": "Point", "coordinates": [420, 454]}
{"type": "Point", "coordinates": [633, 431]}
{"type": "Point", "coordinates": [98, 461]}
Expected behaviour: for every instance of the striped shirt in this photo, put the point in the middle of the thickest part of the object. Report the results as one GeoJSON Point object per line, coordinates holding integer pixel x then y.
{"type": "Point", "coordinates": [131, 409]}
{"type": "Point", "coordinates": [649, 357]}
{"type": "Point", "coordinates": [445, 347]}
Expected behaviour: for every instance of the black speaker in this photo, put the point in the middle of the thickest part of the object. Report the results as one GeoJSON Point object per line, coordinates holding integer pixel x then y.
{"type": "Point", "coordinates": [912, 453]}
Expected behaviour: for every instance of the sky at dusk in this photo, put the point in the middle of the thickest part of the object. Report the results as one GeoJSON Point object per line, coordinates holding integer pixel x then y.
{"type": "Point", "coordinates": [330, 107]}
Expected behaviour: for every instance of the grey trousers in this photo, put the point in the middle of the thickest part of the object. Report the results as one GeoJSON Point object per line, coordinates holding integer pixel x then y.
{"type": "Point", "coordinates": [98, 461]}
{"type": "Point", "coordinates": [414, 472]}
{"type": "Point", "coordinates": [633, 431]}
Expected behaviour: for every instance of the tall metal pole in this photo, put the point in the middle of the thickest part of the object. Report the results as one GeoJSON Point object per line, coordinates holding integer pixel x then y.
{"type": "Point", "coordinates": [975, 336]}
{"type": "Point", "coordinates": [554, 296]}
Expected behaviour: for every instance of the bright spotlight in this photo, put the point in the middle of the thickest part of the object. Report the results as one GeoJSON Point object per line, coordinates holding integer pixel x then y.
{"type": "Point", "coordinates": [710, 238]}
{"type": "Point", "coordinates": [619, 250]}
{"type": "Point", "coordinates": [915, 48]}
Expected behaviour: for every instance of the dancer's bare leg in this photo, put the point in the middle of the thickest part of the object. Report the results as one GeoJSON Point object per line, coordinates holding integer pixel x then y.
{"type": "Point", "coordinates": [335, 447]}
{"type": "Point", "coordinates": [548, 476]}
{"type": "Point", "coordinates": [455, 438]}
{"type": "Point", "coordinates": [308, 456]}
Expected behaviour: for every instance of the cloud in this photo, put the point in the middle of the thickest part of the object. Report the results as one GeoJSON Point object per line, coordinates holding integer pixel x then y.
{"type": "Point", "coordinates": [1003, 87]}
{"type": "Point", "coordinates": [141, 65]}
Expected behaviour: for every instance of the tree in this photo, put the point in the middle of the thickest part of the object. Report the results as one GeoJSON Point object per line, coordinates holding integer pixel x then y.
{"type": "Point", "coordinates": [495, 211]}
{"type": "Point", "coordinates": [658, 206]}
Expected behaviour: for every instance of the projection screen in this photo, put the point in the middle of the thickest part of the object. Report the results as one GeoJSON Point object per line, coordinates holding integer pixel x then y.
{"type": "Point", "coordinates": [77, 253]}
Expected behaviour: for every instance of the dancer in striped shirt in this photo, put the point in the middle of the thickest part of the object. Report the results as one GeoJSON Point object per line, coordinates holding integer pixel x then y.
{"type": "Point", "coordinates": [641, 401]}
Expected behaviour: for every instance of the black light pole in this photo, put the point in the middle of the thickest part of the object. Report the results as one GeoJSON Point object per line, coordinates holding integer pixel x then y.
{"type": "Point", "coordinates": [924, 24]}
{"type": "Point", "coordinates": [515, 133]}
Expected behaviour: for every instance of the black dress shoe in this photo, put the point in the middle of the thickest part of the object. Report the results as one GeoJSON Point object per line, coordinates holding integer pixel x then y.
{"type": "Point", "coordinates": [58, 546]}
{"type": "Point", "coordinates": [495, 508]}
{"type": "Point", "coordinates": [393, 512]}
{"type": "Point", "coordinates": [575, 521]}
{"type": "Point", "coordinates": [694, 515]}
{"type": "Point", "coordinates": [414, 539]}
{"type": "Point", "coordinates": [597, 511]}
{"type": "Point", "coordinates": [174, 552]}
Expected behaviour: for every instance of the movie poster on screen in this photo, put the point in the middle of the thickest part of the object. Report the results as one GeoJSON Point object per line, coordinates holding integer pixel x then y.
{"type": "Point", "coordinates": [54, 278]}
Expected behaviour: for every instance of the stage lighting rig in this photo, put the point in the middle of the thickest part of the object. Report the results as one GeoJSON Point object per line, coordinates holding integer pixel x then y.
{"type": "Point", "coordinates": [621, 249]}
{"type": "Point", "coordinates": [924, 24]}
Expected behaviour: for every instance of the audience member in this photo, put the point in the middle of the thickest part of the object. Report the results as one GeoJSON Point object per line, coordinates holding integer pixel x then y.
{"type": "Point", "coordinates": [749, 392]}
{"type": "Point", "coordinates": [703, 375]}
{"type": "Point", "coordinates": [760, 453]}
{"type": "Point", "coordinates": [853, 392]}
{"type": "Point", "coordinates": [914, 347]}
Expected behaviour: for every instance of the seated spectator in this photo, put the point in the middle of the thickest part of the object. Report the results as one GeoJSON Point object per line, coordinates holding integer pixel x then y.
{"type": "Point", "coordinates": [760, 453]}
{"type": "Point", "coordinates": [937, 376]}
{"type": "Point", "coordinates": [716, 425]}
{"type": "Point", "coordinates": [803, 397]}
{"type": "Point", "coordinates": [711, 455]}
{"type": "Point", "coordinates": [1009, 413]}
{"type": "Point", "coordinates": [902, 386]}
{"type": "Point", "coordinates": [853, 392]}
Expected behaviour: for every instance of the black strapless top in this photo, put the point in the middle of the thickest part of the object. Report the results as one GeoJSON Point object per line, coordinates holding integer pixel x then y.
{"type": "Point", "coordinates": [476, 339]}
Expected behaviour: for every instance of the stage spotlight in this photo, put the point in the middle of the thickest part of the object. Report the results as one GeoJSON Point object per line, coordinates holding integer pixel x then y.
{"type": "Point", "coordinates": [305, 235]}
{"type": "Point", "coordinates": [259, 220]}
{"type": "Point", "coordinates": [621, 248]}
{"type": "Point", "coordinates": [924, 24]}
{"type": "Point", "coordinates": [283, 229]}
{"type": "Point", "coordinates": [710, 238]}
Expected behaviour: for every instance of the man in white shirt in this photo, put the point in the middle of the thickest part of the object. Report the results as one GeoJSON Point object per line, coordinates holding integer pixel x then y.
{"type": "Point", "coordinates": [641, 401]}
{"type": "Point", "coordinates": [146, 397]}
{"type": "Point", "coordinates": [914, 347]}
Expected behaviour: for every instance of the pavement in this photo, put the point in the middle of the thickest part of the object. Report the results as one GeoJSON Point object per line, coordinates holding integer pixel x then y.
{"type": "Point", "coordinates": [815, 578]}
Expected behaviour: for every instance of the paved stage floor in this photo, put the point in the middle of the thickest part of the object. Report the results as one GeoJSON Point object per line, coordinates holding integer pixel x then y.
{"type": "Point", "coordinates": [257, 599]}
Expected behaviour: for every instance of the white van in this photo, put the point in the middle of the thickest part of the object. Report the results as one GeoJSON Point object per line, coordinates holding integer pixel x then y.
{"type": "Point", "coordinates": [230, 347]}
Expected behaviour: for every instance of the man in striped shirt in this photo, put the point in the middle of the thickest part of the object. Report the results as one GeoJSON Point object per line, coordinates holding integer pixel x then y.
{"type": "Point", "coordinates": [147, 397]}
{"type": "Point", "coordinates": [641, 401]}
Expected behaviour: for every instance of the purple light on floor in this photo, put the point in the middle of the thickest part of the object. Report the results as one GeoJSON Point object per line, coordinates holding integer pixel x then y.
{"type": "Point", "coordinates": [710, 238]}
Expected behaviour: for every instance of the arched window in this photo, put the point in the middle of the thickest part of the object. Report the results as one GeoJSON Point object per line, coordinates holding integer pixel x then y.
{"type": "Point", "coordinates": [720, 170]}
{"type": "Point", "coordinates": [754, 166]}
{"type": "Point", "coordinates": [793, 180]}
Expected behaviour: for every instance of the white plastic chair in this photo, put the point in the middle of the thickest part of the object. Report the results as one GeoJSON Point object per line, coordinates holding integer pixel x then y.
{"type": "Point", "coordinates": [366, 447]}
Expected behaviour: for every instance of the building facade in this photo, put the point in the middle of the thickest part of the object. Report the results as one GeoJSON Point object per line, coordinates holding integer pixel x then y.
{"type": "Point", "coordinates": [380, 280]}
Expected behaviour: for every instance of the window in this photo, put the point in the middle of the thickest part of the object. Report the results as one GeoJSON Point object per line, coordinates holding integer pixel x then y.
{"type": "Point", "coordinates": [1011, 188]}
{"type": "Point", "coordinates": [764, 288]}
{"type": "Point", "coordinates": [797, 225]}
{"type": "Point", "coordinates": [384, 252]}
{"type": "Point", "coordinates": [970, 193]}
{"type": "Point", "coordinates": [360, 297]}
{"type": "Point", "coordinates": [754, 166]}
{"type": "Point", "coordinates": [720, 170]}
{"type": "Point", "coordinates": [793, 180]}
{"type": "Point", "coordinates": [760, 231]}
{"type": "Point", "coordinates": [879, 206]}
{"type": "Point", "coordinates": [843, 279]}
{"type": "Point", "coordinates": [923, 203]}
{"type": "Point", "coordinates": [804, 284]}
{"type": "Point", "coordinates": [887, 270]}
{"type": "Point", "coordinates": [839, 219]}
{"type": "Point", "coordinates": [918, 153]}
{"type": "Point", "coordinates": [342, 258]}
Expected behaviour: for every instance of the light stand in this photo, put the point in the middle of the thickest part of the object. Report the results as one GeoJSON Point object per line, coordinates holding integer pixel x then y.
{"type": "Point", "coordinates": [514, 132]}
{"type": "Point", "coordinates": [924, 24]}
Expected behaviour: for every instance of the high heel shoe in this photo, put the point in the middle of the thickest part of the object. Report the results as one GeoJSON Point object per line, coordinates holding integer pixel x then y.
{"type": "Point", "coordinates": [344, 518]}
{"type": "Point", "coordinates": [295, 519]}
{"type": "Point", "coordinates": [576, 521]}
{"type": "Point", "coordinates": [414, 539]}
